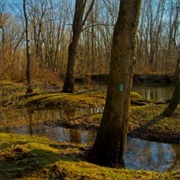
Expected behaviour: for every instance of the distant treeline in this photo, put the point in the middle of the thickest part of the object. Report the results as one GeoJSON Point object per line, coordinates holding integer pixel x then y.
{"type": "Point", "coordinates": [50, 33]}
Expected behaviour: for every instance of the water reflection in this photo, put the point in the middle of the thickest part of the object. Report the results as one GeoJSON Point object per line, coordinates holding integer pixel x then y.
{"type": "Point", "coordinates": [24, 121]}
{"type": "Point", "coordinates": [30, 114]}
{"type": "Point", "coordinates": [139, 154]}
{"type": "Point", "coordinates": [14, 117]}
{"type": "Point", "coordinates": [155, 92]}
{"type": "Point", "coordinates": [154, 156]}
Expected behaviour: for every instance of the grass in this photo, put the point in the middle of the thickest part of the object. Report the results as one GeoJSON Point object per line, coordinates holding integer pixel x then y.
{"type": "Point", "coordinates": [31, 157]}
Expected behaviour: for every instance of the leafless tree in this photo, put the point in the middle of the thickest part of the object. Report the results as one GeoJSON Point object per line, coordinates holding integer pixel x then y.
{"type": "Point", "coordinates": [28, 66]}
{"type": "Point", "coordinates": [78, 23]}
{"type": "Point", "coordinates": [111, 137]}
{"type": "Point", "coordinates": [176, 93]}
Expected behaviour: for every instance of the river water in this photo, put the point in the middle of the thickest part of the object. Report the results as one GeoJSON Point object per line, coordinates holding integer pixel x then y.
{"type": "Point", "coordinates": [156, 92]}
{"type": "Point", "coordinates": [140, 154]}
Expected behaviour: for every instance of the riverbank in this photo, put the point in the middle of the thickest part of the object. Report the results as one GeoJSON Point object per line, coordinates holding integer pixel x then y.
{"type": "Point", "coordinates": [145, 123]}
{"type": "Point", "coordinates": [31, 157]}
{"type": "Point", "coordinates": [145, 120]}
{"type": "Point", "coordinates": [137, 78]}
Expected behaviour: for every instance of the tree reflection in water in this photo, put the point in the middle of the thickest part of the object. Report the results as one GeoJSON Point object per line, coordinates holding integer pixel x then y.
{"type": "Point", "coordinates": [139, 154]}
{"type": "Point", "coordinates": [30, 114]}
{"type": "Point", "coordinates": [176, 163]}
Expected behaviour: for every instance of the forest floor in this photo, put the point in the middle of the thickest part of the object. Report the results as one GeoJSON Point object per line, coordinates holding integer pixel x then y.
{"type": "Point", "coordinates": [34, 158]}
{"type": "Point", "coordinates": [27, 157]}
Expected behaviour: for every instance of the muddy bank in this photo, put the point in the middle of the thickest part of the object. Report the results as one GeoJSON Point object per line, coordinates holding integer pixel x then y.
{"type": "Point", "coordinates": [138, 78]}
{"type": "Point", "coordinates": [152, 78]}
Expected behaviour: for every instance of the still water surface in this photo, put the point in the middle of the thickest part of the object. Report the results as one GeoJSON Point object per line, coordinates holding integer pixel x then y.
{"type": "Point", "coordinates": [156, 92]}
{"type": "Point", "coordinates": [139, 154]}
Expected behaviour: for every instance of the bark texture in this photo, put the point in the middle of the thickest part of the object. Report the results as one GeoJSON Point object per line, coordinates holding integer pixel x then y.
{"type": "Point", "coordinates": [78, 24]}
{"type": "Point", "coordinates": [110, 142]}
{"type": "Point", "coordinates": [28, 65]}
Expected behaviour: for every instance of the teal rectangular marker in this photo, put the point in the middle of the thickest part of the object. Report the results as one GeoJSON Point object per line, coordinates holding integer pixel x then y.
{"type": "Point", "coordinates": [121, 88]}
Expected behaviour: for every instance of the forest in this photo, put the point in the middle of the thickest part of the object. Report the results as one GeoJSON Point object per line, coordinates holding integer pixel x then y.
{"type": "Point", "coordinates": [89, 89]}
{"type": "Point", "coordinates": [50, 34]}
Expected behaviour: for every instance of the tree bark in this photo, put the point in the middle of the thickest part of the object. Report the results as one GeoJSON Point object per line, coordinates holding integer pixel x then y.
{"type": "Point", "coordinates": [176, 93]}
{"type": "Point", "coordinates": [69, 80]}
{"type": "Point", "coordinates": [28, 65]}
{"type": "Point", "coordinates": [78, 24]}
{"type": "Point", "coordinates": [110, 142]}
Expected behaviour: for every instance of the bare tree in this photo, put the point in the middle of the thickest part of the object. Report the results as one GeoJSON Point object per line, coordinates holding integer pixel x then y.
{"type": "Point", "coordinates": [11, 36]}
{"type": "Point", "coordinates": [110, 142]}
{"type": "Point", "coordinates": [3, 22]}
{"type": "Point", "coordinates": [50, 32]}
{"type": "Point", "coordinates": [78, 23]}
{"type": "Point", "coordinates": [28, 66]}
{"type": "Point", "coordinates": [38, 11]}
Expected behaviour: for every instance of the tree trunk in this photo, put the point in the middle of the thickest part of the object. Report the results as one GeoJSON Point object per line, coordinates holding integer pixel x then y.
{"type": "Point", "coordinates": [69, 80]}
{"type": "Point", "coordinates": [78, 24]}
{"type": "Point", "coordinates": [28, 65]}
{"type": "Point", "coordinates": [176, 94]}
{"type": "Point", "coordinates": [110, 142]}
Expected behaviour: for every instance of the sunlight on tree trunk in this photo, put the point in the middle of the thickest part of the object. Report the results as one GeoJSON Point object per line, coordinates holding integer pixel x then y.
{"type": "Point", "coordinates": [110, 142]}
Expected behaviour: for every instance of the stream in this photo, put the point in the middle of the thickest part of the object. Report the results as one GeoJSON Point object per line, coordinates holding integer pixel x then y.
{"type": "Point", "coordinates": [153, 91]}
{"type": "Point", "coordinates": [140, 154]}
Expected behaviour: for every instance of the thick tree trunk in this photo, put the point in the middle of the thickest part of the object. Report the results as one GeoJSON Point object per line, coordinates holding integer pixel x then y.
{"type": "Point", "coordinates": [110, 142]}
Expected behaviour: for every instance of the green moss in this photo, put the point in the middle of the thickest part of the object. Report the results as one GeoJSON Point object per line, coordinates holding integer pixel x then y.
{"type": "Point", "coordinates": [143, 111]}
{"type": "Point", "coordinates": [17, 97]}
{"type": "Point", "coordinates": [40, 158]}
{"type": "Point", "coordinates": [31, 157]}
{"type": "Point", "coordinates": [44, 100]}
{"type": "Point", "coordinates": [144, 114]}
{"type": "Point", "coordinates": [135, 95]}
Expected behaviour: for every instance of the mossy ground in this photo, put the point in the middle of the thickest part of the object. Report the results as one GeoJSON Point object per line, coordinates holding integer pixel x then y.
{"type": "Point", "coordinates": [32, 157]}
{"type": "Point", "coordinates": [144, 113]}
